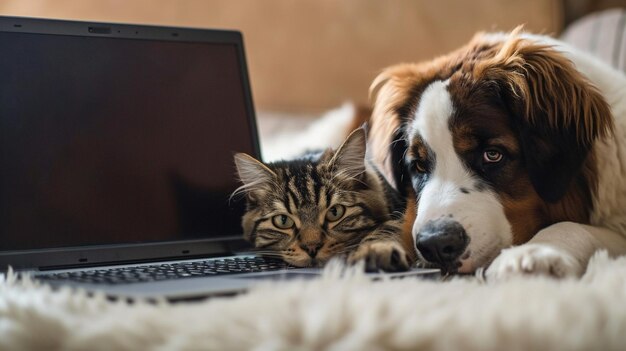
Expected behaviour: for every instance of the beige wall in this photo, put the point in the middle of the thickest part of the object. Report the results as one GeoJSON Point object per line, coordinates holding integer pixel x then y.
{"type": "Point", "coordinates": [309, 55]}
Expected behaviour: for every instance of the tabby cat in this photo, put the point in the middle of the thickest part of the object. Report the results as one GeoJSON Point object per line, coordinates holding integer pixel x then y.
{"type": "Point", "coordinates": [308, 210]}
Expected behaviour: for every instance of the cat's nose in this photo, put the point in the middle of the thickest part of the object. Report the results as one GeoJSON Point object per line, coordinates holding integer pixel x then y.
{"type": "Point", "coordinates": [311, 248]}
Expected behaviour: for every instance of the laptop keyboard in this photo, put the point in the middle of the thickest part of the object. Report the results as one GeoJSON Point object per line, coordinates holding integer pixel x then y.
{"type": "Point", "coordinates": [157, 272]}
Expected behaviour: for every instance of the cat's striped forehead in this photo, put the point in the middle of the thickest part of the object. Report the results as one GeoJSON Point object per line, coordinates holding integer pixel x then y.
{"type": "Point", "coordinates": [303, 184]}
{"type": "Point", "coordinates": [308, 189]}
{"type": "Point", "coordinates": [303, 193]}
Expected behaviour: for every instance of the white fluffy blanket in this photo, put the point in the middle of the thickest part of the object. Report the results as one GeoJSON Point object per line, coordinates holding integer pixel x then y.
{"type": "Point", "coordinates": [332, 313]}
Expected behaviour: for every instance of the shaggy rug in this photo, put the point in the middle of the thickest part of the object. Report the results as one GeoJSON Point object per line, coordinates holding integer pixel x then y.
{"type": "Point", "coordinates": [342, 310]}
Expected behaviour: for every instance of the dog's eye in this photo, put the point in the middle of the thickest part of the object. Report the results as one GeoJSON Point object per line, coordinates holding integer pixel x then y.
{"type": "Point", "coordinates": [492, 156]}
{"type": "Point", "coordinates": [282, 221]}
{"type": "Point", "coordinates": [418, 166]}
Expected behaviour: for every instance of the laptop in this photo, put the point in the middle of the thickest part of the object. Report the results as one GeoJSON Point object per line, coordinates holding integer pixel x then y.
{"type": "Point", "coordinates": [116, 146]}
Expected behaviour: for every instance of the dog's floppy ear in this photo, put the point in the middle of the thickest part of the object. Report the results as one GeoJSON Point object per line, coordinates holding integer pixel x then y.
{"type": "Point", "coordinates": [390, 91]}
{"type": "Point", "coordinates": [394, 94]}
{"type": "Point", "coordinates": [558, 112]}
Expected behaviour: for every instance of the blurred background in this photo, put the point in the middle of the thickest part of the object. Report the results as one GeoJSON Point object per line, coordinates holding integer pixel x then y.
{"type": "Point", "coordinates": [309, 56]}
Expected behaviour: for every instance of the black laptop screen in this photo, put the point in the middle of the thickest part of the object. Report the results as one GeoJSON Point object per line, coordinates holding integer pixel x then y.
{"type": "Point", "coordinates": [116, 141]}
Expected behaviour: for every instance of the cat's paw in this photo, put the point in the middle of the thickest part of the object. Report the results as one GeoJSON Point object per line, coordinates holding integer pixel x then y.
{"type": "Point", "coordinates": [533, 259]}
{"type": "Point", "coordinates": [388, 256]}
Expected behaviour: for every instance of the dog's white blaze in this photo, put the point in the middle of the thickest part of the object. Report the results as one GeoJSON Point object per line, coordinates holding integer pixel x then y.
{"type": "Point", "coordinates": [479, 212]}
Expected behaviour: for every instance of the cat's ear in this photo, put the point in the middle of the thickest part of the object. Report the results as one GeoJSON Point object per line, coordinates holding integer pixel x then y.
{"type": "Point", "coordinates": [349, 159]}
{"type": "Point", "coordinates": [253, 173]}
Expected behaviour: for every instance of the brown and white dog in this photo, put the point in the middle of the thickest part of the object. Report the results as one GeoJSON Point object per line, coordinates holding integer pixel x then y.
{"type": "Point", "coordinates": [515, 148]}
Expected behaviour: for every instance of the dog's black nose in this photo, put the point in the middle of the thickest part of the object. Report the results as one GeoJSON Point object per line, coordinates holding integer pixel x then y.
{"type": "Point", "coordinates": [442, 241]}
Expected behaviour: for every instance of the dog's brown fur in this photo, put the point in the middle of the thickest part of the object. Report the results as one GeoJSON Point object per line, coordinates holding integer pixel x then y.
{"type": "Point", "coordinates": [543, 93]}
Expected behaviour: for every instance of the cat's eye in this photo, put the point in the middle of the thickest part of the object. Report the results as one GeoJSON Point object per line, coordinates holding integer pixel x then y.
{"type": "Point", "coordinates": [282, 221]}
{"type": "Point", "coordinates": [492, 156]}
{"type": "Point", "coordinates": [335, 213]}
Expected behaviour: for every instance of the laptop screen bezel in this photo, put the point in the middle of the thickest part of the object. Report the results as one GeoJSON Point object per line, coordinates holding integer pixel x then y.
{"type": "Point", "coordinates": [128, 253]}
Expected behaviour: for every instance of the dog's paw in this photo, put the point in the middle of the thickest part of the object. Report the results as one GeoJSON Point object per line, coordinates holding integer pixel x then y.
{"type": "Point", "coordinates": [533, 259]}
{"type": "Point", "coordinates": [388, 256]}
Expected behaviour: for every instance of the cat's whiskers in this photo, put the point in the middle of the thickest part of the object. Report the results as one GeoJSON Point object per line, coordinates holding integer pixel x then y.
{"type": "Point", "coordinates": [346, 176]}
{"type": "Point", "coordinates": [266, 251]}
{"type": "Point", "coordinates": [347, 249]}
{"type": "Point", "coordinates": [404, 153]}
{"type": "Point", "coordinates": [347, 192]}
{"type": "Point", "coordinates": [269, 253]}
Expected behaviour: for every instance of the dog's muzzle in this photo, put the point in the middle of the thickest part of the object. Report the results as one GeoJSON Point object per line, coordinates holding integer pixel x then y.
{"type": "Point", "coordinates": [442, 242]}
